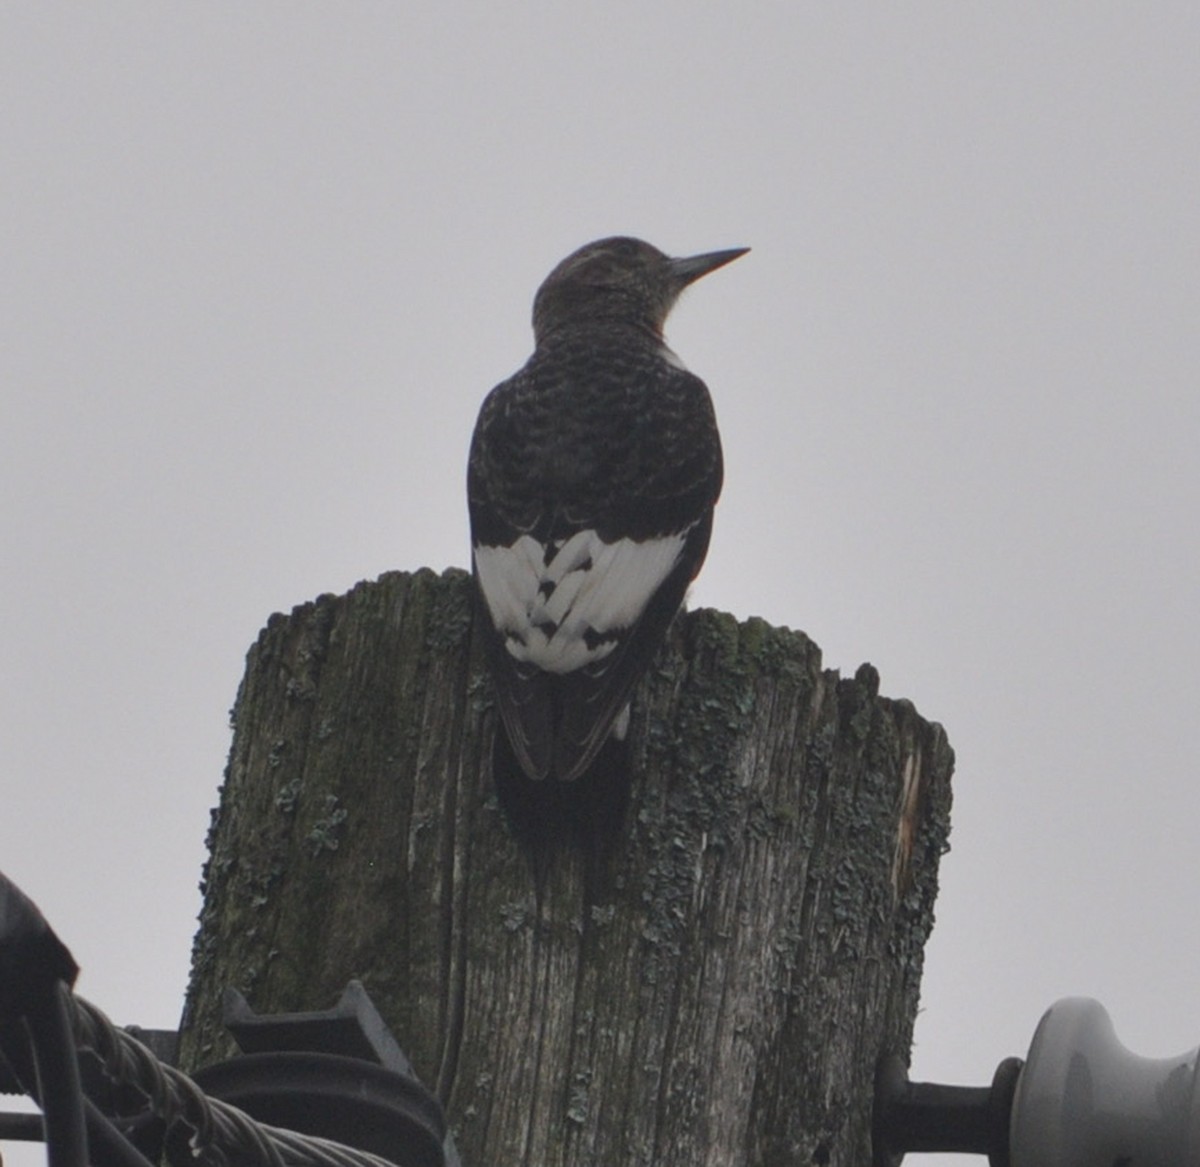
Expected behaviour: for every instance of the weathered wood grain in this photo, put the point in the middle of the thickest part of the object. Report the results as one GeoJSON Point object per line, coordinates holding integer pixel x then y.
{"type": "Point", "coordinates": [719, 996]}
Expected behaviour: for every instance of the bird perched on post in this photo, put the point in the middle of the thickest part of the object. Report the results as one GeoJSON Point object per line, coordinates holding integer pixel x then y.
{"type": "Point", "coordinates": [592, 479]}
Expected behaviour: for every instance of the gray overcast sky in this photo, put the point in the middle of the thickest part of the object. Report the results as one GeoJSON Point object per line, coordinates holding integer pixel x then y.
{"type": "Point", "coordinates": [261, 262]}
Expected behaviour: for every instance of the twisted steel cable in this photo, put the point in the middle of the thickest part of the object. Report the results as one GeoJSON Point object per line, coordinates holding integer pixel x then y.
{"type": "Point", "coordinates": [220, 1133]}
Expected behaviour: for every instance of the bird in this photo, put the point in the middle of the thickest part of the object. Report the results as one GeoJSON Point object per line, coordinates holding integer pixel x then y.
{"type": "Point", "coordinates": [592, 479]}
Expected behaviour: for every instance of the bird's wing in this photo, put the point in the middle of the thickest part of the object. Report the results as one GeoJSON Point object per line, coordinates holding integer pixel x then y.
{"type": "Point", "coordinates": [630, 611]}
{"type": "Point", "coordinates": [569, 639]}
{"type": "Point", "coordinates": [577, 601]}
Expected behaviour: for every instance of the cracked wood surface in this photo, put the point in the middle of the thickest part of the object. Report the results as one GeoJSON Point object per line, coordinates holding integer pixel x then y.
{"type": "Point", "coordinates": [718, 995]}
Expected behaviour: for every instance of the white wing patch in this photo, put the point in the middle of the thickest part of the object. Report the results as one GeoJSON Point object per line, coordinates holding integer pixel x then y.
{"type": "Point", "coordinates": [560, 609]}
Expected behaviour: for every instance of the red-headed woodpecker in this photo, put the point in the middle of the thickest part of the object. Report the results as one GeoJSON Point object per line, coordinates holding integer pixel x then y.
{"type": "Point", "coordinates": [593, 475]}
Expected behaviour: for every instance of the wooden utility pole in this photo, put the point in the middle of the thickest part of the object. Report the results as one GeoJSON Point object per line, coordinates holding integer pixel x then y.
{"type": "Point", "coordinates": [720, 996]}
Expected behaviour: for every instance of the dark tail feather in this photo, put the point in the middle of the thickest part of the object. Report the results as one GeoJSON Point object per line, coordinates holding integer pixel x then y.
{"type": "Point", "coordinates": [548, 814]}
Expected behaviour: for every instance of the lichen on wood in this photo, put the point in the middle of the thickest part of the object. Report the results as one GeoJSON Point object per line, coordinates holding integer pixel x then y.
{"type": "Point", "coordinates": [720, 993]}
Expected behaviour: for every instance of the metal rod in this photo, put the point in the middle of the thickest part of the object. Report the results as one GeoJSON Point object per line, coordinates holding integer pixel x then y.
{"type": "Point", "coordinates": [110, 1148]}
{"type": "Point", "coordinates": [21, 1128]}
{"type": "Point", "coordinates": [923, 1116]}
{"type": "Point", "coordinates": [60, 1093]}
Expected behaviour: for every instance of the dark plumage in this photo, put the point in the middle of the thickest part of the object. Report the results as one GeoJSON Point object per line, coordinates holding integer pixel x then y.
{"type": "Point", "coordinates": [593, 475]}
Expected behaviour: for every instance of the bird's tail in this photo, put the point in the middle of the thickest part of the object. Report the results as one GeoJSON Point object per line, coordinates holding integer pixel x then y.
{"type": "Point", "coordinates": [587, 813]}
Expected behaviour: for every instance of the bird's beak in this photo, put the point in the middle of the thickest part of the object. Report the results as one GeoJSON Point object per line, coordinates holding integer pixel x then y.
{"type": "Point", "coordinates": [692, 267]}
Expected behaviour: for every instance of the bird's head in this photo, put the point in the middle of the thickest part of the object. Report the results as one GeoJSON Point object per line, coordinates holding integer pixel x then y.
{"type": "Point", "coordinates": [619, 279]}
